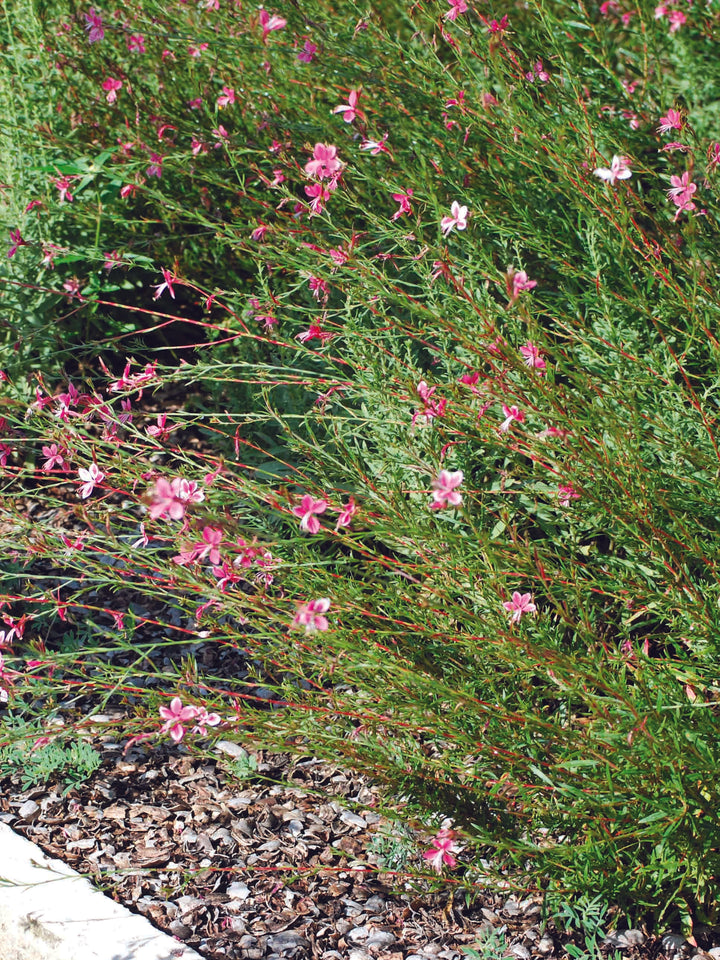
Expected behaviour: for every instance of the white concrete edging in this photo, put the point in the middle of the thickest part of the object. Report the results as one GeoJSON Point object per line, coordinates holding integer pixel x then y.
{"type": "Point", "coordinates": [49, 912]}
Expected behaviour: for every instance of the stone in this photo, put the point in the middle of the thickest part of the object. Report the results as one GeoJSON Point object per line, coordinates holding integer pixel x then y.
{"type": "Point", "coordinates": [353, 819]}
{"type": "Point", "coordinates": [29, 810]}
{"type": "Point", "coordinates": [287, 942]}
{"type": "Point", "coordinates": [520, 951]}
{"type": "Point", "coordinates": [238, 890]}
{"type": "Point", "coordinates": [380, 938]}
{"type": "Point", "coordinates": [673, 943]}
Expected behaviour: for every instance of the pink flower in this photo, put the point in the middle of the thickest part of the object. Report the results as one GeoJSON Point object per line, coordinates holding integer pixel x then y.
{"type": "Point", "coordinates": [375, 146]}
{"type": "Point", "coordinates": [346, 514]}
{"type": "Point", "coordinates": [619, 170]}
{"type": "Point", "coordinates": [677, 19]}
{"type": "Point", "coordinates": [311, 615]}
{"type": "Point", "coordinates": [325, 162]}
{"type": "Point", "coordinates": [319, 288]}
{"type": "Point", "coordinates": [175, 717]}
{"type": "Point", "coordinates": [566, 493]}
{"type": "Point", "coordinates": [155, 168]}
{"type": "Point", "coordinates": [63, 186]}
{"type": "Point", "coordinates": [681, 193]}
{"type": "Point", "coordinates": [511, 413]}
{"type": "Point", "coordinates": [91, 477]}
{"type": "Point", "coordinates": [54, 458]}
{"type": "Point", "coordinates": [671, 121]}
{"type": "Point", "coordinates": [17, 241]}
{"type": "Point", "coordinates": [259, 232]}
{"type": "Point", "coordinates": [111, 87]}
{"type": "Point", "coordinates": [532, 357]}
{"type": "Point", "coordinates": [713, 156]}
{"type": "Point", "coordinates": [226, 98]}
{"type": "Point", "coordinates": [166, 500]}
{"type": "Point", "coordinates": [456, 220]}
{"type": "Point", "coordinates": [442, 850]}
{"type": "Point", "coordinates": [204, 719]}
{"type": "Point", "coordinates": [94, 26]}
{"type": "Point", "coordinates": [349, 110]}
{"type": "Point", "coordinates": [519, 283]}
{"type": "Point", "coordinates": [160, 430]}
{"type": "Point", "coordinates": [496, 26]}
{"type": "Point", "coordinates": [456, 8]}
{"type": "Point", "coordinates": [212, 541]}
{"type": "Point", "coordinates": [307, 53]}
{"type": "Point", "coordinates": [444, 489]}
{"type": "Point", "coordinates": [188, 490]}
{"type": "Point", "coordinates": [681, 188]}
{"type": "Point", "coordinates": [403, 198]}
{"type": "Point", "coordinates": [431, 407]}
{"type": "Point", "coordinates": [521, 603]}
{"type": "Point", "coordinates": [112, 259]}
{"type": "Point", "coordinates": [307, 510]}
{"type": "Point", "coordinates": [537, 71]}
{"type": "Point", "coordinates": [315, 332]}
{"type": "Point", "coordinates": [167, 284]}
{"type": "Point", "coordinates": [270, 22]}
{"type": "Point", "coordinates": [136, 43]}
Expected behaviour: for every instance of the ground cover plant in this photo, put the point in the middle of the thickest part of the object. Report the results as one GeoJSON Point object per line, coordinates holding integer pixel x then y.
{"type": "Point", "coordinates": [377, 345]}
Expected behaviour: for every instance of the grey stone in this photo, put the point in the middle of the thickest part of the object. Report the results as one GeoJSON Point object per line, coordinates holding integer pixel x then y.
{"type": "Point", "coordinates": [375, 904]}
{"type": "Point", "coordinates": [673, 943]}
{"type": "Point", "coordinates": [545, 945]}
{"type": "Point", "coordinates": [380, 938]}
{"type": "Point", "coordinates": [238, 890]}
{"type": "Point", "coordinates": [29, 810]}
{"type": "Point", "coordinates": [520, 951]}
{"type": "Point", "coordinates": [287, 942]}
{"type": "Point", "coordinates": [352, 819]}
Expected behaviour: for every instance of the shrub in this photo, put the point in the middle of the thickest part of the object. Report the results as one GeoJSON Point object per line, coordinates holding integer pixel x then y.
{"type": "Point", "coordinates": [439, 471]}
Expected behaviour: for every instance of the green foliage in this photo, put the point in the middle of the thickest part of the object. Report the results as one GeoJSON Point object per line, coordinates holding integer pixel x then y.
{"type": "Point", "coordinates": [350, 354]}
{"type": "Point", "coordinates": [70, 764]}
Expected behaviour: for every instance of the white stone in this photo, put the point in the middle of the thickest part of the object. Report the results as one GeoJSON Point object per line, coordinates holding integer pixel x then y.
{"type": "Point", "coordinates": [49, 912]}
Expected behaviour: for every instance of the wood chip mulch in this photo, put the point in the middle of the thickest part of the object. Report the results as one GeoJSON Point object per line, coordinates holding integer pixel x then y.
{"type": "Point", "coordinates": [286, 863]}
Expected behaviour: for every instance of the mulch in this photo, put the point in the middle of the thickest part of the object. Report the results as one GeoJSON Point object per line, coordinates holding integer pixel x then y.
{"type": "Point", "coordinates": [290, 860]}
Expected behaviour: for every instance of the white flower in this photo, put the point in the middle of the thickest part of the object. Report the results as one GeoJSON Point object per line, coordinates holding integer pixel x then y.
{"type": "Point", "coordinates": [91, 477]}
{"type": "Point", "coordinates": [619, 170]}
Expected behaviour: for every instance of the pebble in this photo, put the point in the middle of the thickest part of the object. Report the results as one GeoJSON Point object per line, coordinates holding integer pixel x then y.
{"type": "Point", "coordinates": [29, 810]}
{"type": "Point", "coordinates": [238, 890]}
{"type": "Point", "coordinates": [545, 945]}
{"type": "Point", "coordinates": [353, 819]}
{"type": "Point", "coordinates": [375, 904]}
{"type": "Point", "coordinates": [231, 749]}
{"type": "Point", "coordinates": [380, 938]}
{"type": "Point", "coordinates": [358, 934]}
{"type": "Point", "coordinates": [714, 953]}
{"type": "Point", "coordinates": [180, 929]}
{"type": "Point", "coordinates": [357, 954]}
{"type": "Point", "coordinates": [287, 942]}
{"type": "Point", "coordinates": [520, 951]}
{"type": "Point", "coordinates": [673, 943]}
{"type": "Point", "coordinates": [623, 939]}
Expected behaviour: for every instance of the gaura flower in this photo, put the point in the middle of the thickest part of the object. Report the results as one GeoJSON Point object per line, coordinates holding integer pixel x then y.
{"type": "Point", "coordinates": [619, 170]}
